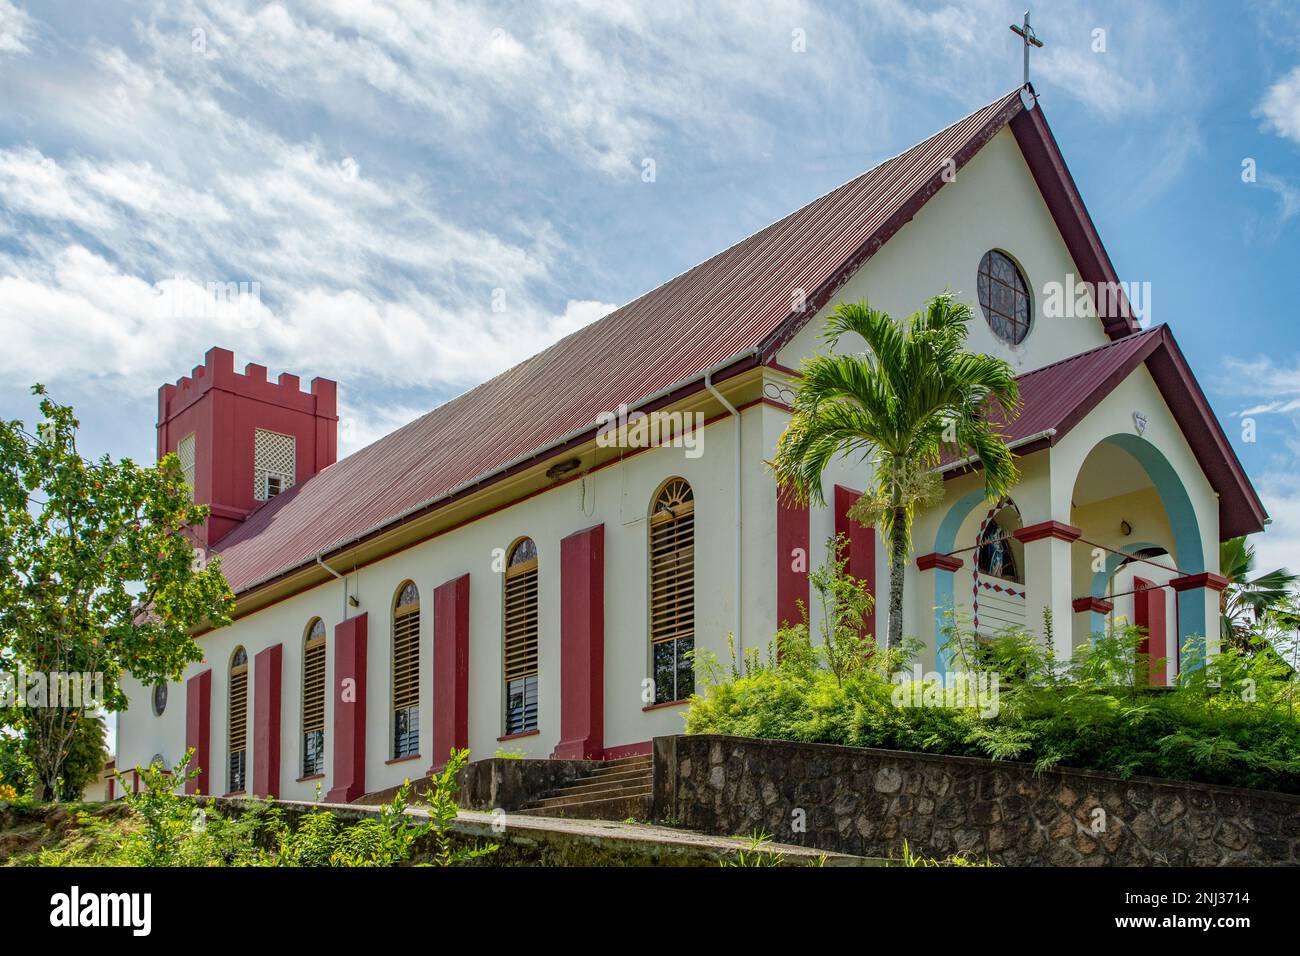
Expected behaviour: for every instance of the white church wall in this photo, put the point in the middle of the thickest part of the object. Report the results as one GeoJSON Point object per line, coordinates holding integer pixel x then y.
{"type": "Point", "coordinates": [619, 496]}
{"type": "Point", "coordinates": [993, 203]}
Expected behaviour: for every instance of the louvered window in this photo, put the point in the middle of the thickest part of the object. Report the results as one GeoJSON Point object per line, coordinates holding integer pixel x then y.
{"type": "Point", "coordinates": [406, 672]}
{"type": "Point", "coordinates": [185, 452]}
{"type": "Point", "coordinates": [273, 464]}
{"type": "Point", "coordinates": [238, 722]}
{"type": "Point", "coordinates": [520, 625]}
{"type": "Point", "coordinates": [672, 591]}
{"type": "Point", "coordinates": [313, 700]}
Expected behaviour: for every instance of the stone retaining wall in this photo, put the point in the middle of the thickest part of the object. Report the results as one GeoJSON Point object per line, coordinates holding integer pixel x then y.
{"type": "Point", "coordinates": [505, 783]}
{"type": "Point", "coordinates": [867, 802]}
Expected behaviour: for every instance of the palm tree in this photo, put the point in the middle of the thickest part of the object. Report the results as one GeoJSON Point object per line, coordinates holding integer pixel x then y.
{"type": "Point", "coordinates": [1245, 604]}
{"type": "Point", "coordinates": [915, 391]}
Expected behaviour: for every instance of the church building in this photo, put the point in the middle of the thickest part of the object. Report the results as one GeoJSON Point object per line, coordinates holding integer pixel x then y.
{"type": "Point", "coordinates": [528, 566]}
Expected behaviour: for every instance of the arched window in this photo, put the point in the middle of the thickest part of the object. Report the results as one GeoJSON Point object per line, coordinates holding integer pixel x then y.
{"type": "Point", "coordinates": [237, 723]}
{"type": "Point", "coordinates": [313, 699]}
{"type": "Point", "coordinates": [406, 672]}
{"type": "Point", "coordinates": [672, 591]}
{"type": "Point", "coordinates": [520, 638]}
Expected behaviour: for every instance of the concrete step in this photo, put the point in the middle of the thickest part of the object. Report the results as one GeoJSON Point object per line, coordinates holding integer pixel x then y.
{"type": "Point", "coordinates": [632, 761]}
{"type": "Point", "coordinates": [636, 806]}
{"type": "Point", "coordinates": [605, 780]}
{"type": "Point", "coordinates": [622, 769]}
{"type": "Point", "coordinates": [640, 760]}
{"type": "Point", "coordinates": [589, 793]}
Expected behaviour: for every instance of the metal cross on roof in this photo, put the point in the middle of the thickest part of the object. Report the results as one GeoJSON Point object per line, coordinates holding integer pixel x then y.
{"type": "Point", "coordinates": [1026, 33]}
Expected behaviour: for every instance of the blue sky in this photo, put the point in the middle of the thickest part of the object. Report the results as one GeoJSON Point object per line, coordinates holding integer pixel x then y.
{"type": "Point", "coordinates": [386, 172]}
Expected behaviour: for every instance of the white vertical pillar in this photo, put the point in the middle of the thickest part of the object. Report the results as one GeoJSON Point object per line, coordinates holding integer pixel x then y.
{"type": "Point", "coordinates": [1048, 581]}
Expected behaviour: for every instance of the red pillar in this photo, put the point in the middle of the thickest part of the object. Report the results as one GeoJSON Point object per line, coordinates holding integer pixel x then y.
{"type": "Point", "coordinates": [349, 711]}
{"type": "Point", "coordinates": [582, 645]}
{"type": "Point", "coordinates": [861, 548]}
{"type": "Point", "coordinates": [266, 721]}
{"type": "Point", "coordinates": [198, 729]}
{"type": "Point", "coordinates": [792, 549]}
{"type": "Point", "coordinates": [450, 669]}
{"type": "Point", "coordinates": [1149, 614]}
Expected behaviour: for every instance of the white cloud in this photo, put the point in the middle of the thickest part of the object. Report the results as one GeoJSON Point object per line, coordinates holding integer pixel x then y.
{"type": "Point", "coordinates": [1281, 106]}
{"type": "Point", "coordinates": [15, 29]}
{"type": "Point", "coordinates": [603, 83]}
{"type": "Point", "coordinates": [975, 50]}
{"type": "Point", "coordinates": [1279, 545]}
{"type": "Point", "coordinates": [35, 185]}
{"type": "Point", "coordinates": [78, 317]}
{"type": "Point", "coordinates": [1101, 82]}
{"type": "Point", "coordinates": [1262, 377]}
{"type": "Point", "coordinates": [1288, 195]}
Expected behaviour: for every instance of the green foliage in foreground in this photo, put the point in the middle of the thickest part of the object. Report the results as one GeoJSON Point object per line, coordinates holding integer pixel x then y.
{"type": "Point", "coordinates": [956, 859]}
{"type": "Point", "coordinates": [166, 829]}
{"type": "Point", "coordinates": [1230, 722]}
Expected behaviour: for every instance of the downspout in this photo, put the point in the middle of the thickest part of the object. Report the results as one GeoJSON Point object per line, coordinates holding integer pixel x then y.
{"type": "Point", "coordinates": [735, 413]}
{"type": "Point", "coordinates": [342, 577]}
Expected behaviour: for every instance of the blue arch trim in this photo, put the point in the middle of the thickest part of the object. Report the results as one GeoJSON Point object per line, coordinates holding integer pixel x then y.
{"type": "Point", "coordinates": [1101, 578]}
{"type": "Point", "coordinates": [1190, 556]}
{"type": "Point", "coordinates": [944, 582]}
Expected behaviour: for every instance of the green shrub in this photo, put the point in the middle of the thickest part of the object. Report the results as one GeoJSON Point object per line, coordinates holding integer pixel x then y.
{"type": "Point", "coordinates": [1232, 721]}
{"type": "Point", "coordinates": [167, 829]}
{"type": "Point", "coordinates": [166, 819]}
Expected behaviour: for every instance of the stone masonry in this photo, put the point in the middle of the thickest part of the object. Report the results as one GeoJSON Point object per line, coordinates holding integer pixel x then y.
{"type": "Point", "coordinates": [867, 802]}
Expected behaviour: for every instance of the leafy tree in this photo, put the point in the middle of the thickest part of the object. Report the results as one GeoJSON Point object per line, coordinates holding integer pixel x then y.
{"type": "Point", "coordinates": [87, 754]}
{"type": "Point", "coordinates": [97, 576]}
{"type": "Point", "coordinates": [1246, 602]}
{"type": "Point", "coordinates": [15, 767]}
{"type": "Point", "coordinates": [913, 393]}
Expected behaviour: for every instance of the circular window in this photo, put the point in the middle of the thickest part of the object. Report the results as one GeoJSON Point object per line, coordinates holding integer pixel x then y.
{"type": "Point", "coordinates": [159, 699]}
{"type": "Point", "coordinates": [1004, 297]}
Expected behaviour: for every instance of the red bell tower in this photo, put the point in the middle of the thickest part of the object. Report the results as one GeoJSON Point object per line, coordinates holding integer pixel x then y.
{"type": "Point", "coordinates": [241, 439]}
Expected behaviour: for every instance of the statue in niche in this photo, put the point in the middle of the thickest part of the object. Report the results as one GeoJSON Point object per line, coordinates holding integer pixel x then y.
{"type": "Point", "coordinates": [996, 559]}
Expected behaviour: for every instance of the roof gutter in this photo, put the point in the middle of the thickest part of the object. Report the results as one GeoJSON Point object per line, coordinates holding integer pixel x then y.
{"type": "Point", "coordinates": [344, 543]}
{"type": "Point", "coordinates": [1018, 443]}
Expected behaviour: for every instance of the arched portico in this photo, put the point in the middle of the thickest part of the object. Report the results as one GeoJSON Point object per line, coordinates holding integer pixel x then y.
{"type": "Point", "coordinates": [1120, 496]}
{"type": "Point", "coordinates": [1164, 506]}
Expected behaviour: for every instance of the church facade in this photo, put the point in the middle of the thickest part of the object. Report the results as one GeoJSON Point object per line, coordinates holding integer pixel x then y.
{"type": "Point", "coordinates": [529, 566]}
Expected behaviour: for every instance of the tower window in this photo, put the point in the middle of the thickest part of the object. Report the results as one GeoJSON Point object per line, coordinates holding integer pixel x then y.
{"type": "Point", "coordinates": [185, 453]}
{"type": "Point", "coordinates": [273, 464]}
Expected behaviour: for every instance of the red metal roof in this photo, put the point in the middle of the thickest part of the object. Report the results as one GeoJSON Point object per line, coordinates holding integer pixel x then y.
{"type": "Point", "coordinates": [1057, 397]}
{"type": "Point", "coordinates": [734, 306]}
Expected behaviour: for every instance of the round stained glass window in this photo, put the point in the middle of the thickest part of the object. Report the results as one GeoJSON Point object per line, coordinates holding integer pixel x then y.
{"type": "Point", "coordinates": [1004, 297]}
{"type": "Point", "coordinates": [159, 699]}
